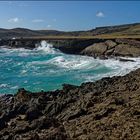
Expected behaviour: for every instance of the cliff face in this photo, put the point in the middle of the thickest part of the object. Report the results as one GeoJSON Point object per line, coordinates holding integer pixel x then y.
{"type": "Point", "coordinates": [106, 109]}
{"type": "Point", "coordinates": [102, 48]}
{"type": "Point", "coordinates": [111, 48]}
{"type": "Point", "coordinates": [74, 46]}
{"type": "Point", "coordinates": [12, 43]}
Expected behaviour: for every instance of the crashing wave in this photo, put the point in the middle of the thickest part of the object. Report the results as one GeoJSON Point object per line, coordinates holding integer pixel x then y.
{"type": "Point", "coordinates": [46, 68]}
{"type": "Point", "coordinates": [46, 47]}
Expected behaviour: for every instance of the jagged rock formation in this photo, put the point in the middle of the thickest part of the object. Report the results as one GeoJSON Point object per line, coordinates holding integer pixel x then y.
{"type": "Point", "coordinates": [105, 109]}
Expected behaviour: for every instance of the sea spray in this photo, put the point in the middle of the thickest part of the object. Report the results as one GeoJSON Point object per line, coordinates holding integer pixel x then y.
{"type": "Point", "coordinates": [46, 47]}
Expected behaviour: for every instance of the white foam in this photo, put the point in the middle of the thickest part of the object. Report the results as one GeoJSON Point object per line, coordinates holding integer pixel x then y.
{"type": "Point", "coordinates": [14, 49]}
{"type": "Point", "coordinates": [37, 63]}
{"type": "Point", "coordinates": [118, 68]}
{"type": "Point", "coordinates": [14, 87]}
{"type": "Point", "coordinates": [3, 85]}
{"type": "Point", "coordinates": [72, 62]}
{"type": "Point", "coordinates": [46, 47]}
{"type": "Point", "coordinates": [15, 52]}
{"type": "Point", "coordinates": [83, 68]}
{"type": "Point", "coordinates": [124, 67]}
{"type": "Point", "coordinates": [84, 62]}
{"type": "Point", "coordinates": [23, 71]}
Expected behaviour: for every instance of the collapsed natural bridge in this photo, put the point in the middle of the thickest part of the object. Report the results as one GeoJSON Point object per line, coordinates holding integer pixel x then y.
{"type": "Point", "coordinates": [95, 47]}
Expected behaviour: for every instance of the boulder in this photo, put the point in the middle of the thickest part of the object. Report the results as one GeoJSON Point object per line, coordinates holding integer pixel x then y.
{"type": "Point", "coordinates": [126, 50]}
{"type": "Point", "coordinates": [96, 49]}
{"type": "Point", "coordinates": [110, 44]}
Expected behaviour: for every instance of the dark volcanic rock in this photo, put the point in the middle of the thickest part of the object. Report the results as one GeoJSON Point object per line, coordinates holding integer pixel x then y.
{"type": "Point", "coordinates": [74, 46]}
{"type": "Point", "coordinates": [126, 60]}
{"type": "Point", "coordinates": [106, 109]}
{"type": "Point", "coordinates": [102, 48]}
{"type": "Point", "coordinates": [130, 42]}
{"type": "Point", "coordinates": [27, 44]}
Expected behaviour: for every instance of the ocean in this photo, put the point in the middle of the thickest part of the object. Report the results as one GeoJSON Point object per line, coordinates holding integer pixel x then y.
{"type": "Point", "coordinates": [46, 68]}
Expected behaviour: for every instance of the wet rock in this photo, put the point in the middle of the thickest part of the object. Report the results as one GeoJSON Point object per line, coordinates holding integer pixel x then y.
{"type": "Point", "coordinates": [126, 60]}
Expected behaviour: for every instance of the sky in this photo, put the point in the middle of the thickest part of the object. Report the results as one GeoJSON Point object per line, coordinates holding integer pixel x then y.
{"type": "Point", "coordinates": [67, 15]}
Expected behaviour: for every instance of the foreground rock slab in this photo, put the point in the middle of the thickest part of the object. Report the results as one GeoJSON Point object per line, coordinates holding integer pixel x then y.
{"type": "Point", "coordinates": [102, 110]}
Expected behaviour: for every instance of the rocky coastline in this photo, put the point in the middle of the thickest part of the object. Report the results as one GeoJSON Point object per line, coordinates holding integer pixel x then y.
{"type": "Point", "coordinates": [108, 109]}
{"type": "Point", "coordinates": [105, 109]}
{"type": "Point", "coordinates": [101, 48]}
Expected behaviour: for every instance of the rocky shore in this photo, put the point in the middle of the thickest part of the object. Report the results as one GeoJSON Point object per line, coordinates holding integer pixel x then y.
{"type": "Point", "coordinates": [102, 48]}
{"type": "Point", "coordinates": [108, 109]}
{"type": "Point", "coordinates": [105, 109]}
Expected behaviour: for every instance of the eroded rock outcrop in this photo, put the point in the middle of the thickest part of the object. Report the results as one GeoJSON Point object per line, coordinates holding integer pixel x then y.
{"type": "Point", "coordinates": [126, 50]}
{"type": "Point", "coordinates": [95, 50]}
{"type": "Point", "coordinates": [111, 48]}
{"type": "Point", "coordinates": [74, 46]}
{"type": "Point", "coordinates": [103, 48]}
{"type": "Point", "coordinates": [106, 109]}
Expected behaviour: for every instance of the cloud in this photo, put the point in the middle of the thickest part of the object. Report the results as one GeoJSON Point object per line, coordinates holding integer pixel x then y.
{"type": "Point", "coordinates": [48, 26]}
{"type": "Point", "coordinates": [100, 14]}
{"type": "Point", "coordinates": [14, 20]}
{"type": "Point", "coordinates": [37, 20]}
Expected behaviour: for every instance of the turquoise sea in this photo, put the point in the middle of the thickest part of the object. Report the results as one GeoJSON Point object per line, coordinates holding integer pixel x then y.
{"type": "Point", "coordinates": [45, 68]}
